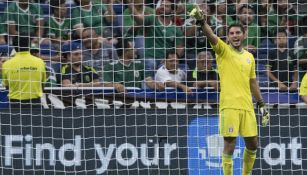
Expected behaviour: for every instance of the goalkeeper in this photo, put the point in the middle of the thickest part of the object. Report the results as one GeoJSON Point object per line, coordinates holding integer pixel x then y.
{"type": "Point", "coordinates": [236, 68]}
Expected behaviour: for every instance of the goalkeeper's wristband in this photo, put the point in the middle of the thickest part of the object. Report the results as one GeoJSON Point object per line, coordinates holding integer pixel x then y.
{"type": "Point", "coordinates": [201, 22]}
{"type": "Point", "coordinates": [260, 104]}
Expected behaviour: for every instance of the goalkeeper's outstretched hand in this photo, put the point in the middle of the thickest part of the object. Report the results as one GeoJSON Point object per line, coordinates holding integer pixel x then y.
{"type": "Point", "coordinates": [197, 13]}
{"type": "Point", "coordinates": [265, 115]}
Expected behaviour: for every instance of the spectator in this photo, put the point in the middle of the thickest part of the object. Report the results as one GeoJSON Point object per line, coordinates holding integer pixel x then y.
{"type": "Point", "coordinates": [131, 28]}
{"type": "Point", "coordinates": [93, 15]}
{"type": "Point", "coordinates": [195, 39]}
{"type": "Point", "coordinates": [25, 17]}
{"type": "Point", "coordinates": [50, 73]}
{"type": "Point", "coordinates": [96, 54]}
{"type": "Point", "coordinates": [282, 15]}
{"type": "Point", "coordinates": [246, 18]}
{"type": "Point", "coordinates": [128, 72]}
{"type": "Point", "coordinates": [263, 10]}
{"type": "Point", "coordinates": [204, 75]}
{"type": "Point", "coordinates": [303, 89]}
{"type": "Point", "coordinates": [300, 48]}
{"type": "Point", "coordinates": [171, 75]}
{"type": "Point", "coordinates": [24, 75]}
{"type": "Point", "coordinates": [221, 20]}
{"type": "Point", "coordinates": [3, 32]}
{"type": "Point", "coordinates": [281, 69]}
{"type": "Point", "coordinates": [75, 72]}
{"type": "Point", "coordinates": [58, 27]}
{"type": "Point", "coordinates": [161, 33]}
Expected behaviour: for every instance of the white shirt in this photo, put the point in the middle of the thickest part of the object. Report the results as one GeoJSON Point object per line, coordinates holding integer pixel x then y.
{"type": "Point", "coordinates": [163, 75]}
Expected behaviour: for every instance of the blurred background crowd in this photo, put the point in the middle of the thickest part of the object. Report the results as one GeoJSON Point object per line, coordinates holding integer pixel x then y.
{"type": "Point", "coordinates": [155, 44]}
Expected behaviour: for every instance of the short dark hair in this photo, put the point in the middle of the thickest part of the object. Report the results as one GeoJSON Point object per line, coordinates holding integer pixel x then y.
{"type": "Point", "coordinates": [304, 25]}
{"type": "Point", "coordinates": [235, 25]}
{"type": "Point", "coordinates": [170, 52]}
{"type": "Point", "coordinates": [246, 6]}
{"type": "Point", "coordinates": [54, 4]}
{"type": "Point", "coordinates": [21, 43]}
{"type": "Point", "coordinates": [122, 44]}
{"type": "Point", "coordinates": [282, 30]}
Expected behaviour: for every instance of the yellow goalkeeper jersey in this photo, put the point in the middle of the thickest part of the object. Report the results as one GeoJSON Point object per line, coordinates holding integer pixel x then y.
{"type": "Point", "coordinates": [235, 71]}
{"type": "Point", "coordinates": [303, 88]}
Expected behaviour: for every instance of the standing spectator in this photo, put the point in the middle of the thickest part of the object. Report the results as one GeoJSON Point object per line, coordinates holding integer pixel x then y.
{"type": "Point", "coordinates": [128, 72]}
{"type": "Point", "coordinates": [204, 75]}
{"type": "Point", "coordinates": [221, 20]}
{"type": "Point", "coordinates": [24, 75]}
{"type": "Point", "coordinates": [25, 17]}
{"type": "Point", "coordinates": [303, 89]}
{"type": "Point", "coordinates": [281, 69]}
{"type": "Point", "coordinates": [131, 28]}
{"type": "Point", "coordinates": [96, 54]}
{"type": "Point", "coordinates": [252, 30]}
{"type": "Point", "coordinates": [300, 48]}
{"type": "Point", "coordinates": [75, 72]}
{"type": "Point", "coordinates": [263, 10]}
{"type": "Point", "coordinates": [97, 16]}
{"type": "Point", "coordinates": [161, 33]}
{"type": "Point", "coordinates": [171, 75]}
{"type": "Point", "coordinates": [3, 31]}
{"type": "Point", "coordinates": [195, 39]}
{"type": "Point", "coordinates": [58, 27]}
{"type": "Point", "coordinates": [282, 15]}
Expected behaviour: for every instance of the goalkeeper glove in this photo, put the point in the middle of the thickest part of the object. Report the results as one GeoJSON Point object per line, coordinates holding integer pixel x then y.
{"type": "Point", "coordinates": [265, 115]}
{"type": "Point", "coordinates": [198, 14]}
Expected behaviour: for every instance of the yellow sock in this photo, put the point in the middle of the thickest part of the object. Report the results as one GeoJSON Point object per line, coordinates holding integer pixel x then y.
{"type": "Point", "coordinates": [248, 161]}
{"type": "Point", "coordinates": [227, 164]}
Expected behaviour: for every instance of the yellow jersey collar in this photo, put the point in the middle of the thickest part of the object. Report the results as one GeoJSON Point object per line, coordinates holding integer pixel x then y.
{"type": "Point", "coordinates": [240, 52]}
{"type": "Point", "coordinates": [23, 53]}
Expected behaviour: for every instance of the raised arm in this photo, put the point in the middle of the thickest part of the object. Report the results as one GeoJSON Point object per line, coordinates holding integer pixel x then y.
{"type": "Point", "coordinates": [137, 16]}
{"type": "Point", "coordinates": [110, 14]}
{"type": "Point", "coordinates": [201, 20]}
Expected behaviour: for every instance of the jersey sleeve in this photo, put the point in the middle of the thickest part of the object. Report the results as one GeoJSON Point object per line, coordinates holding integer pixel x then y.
{"type": "Point", "coordinates": [108, 73]}
{"type": "Point", "coordinates": [161, 76]}
{"type": "Point", "coordinates": [4, 75]}
{"type": "Point", "coordinates": [76, 18]}
{"type": "Point", "coordinates": [253, 70]}
{"type": "Point", "coordinates": [95, 75]}
{"type": "Point", "coordinates": [149, 20]}
{"type": "Point", "coordinates": [10, 14]}
{"type": "Point", "coordinates": [65, 74]}
{"type": "Point", "coordinates": [303, 87]}
{"type": "Point", "coordinates": [38, 12]}
{"type": "Point", "coordinates": [220, 48]}
{"type": "Point", "coordinates": [179, 36]}
{"type": "Point", "coordinates": [44, 77]}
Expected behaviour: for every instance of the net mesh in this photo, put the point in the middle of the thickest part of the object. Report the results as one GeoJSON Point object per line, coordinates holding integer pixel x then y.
{"type": "Point", "coordinates": [132, 87]}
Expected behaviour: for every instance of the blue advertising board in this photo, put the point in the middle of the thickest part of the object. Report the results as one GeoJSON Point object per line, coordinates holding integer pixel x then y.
{"type": "Point", "coordinates": [205, 147]}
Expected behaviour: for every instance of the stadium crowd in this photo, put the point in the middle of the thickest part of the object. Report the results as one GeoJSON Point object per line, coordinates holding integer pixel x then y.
{"type": "Point", "coordinates": [149, 44]}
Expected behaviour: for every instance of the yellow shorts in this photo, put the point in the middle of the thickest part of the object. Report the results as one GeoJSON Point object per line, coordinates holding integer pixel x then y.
{"type": "Point", "coordinates": [235, 121]}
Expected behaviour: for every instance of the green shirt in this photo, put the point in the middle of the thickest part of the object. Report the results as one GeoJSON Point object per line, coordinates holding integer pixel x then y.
{"type": "Point", "coordinates": [130, 75]}
{"type": "Point", "coordinates": [25, 19]}
{"type": "Point", "coordinates": [92, 18]}
{"type": "Point", "coordinates": [253, 35]}
{"type": "Point", "coordinates": [129, 22]}
{"type": "Point", "coordinates": [2, 26]}
{"type": "Point", "coordinates": [56, 29]}
{"type": "Point", "coordinates": [160, 37]}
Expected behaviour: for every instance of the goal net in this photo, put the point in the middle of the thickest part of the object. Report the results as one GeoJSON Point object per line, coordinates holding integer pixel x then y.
{"type": "Point", "coordinates": [132, 86]}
